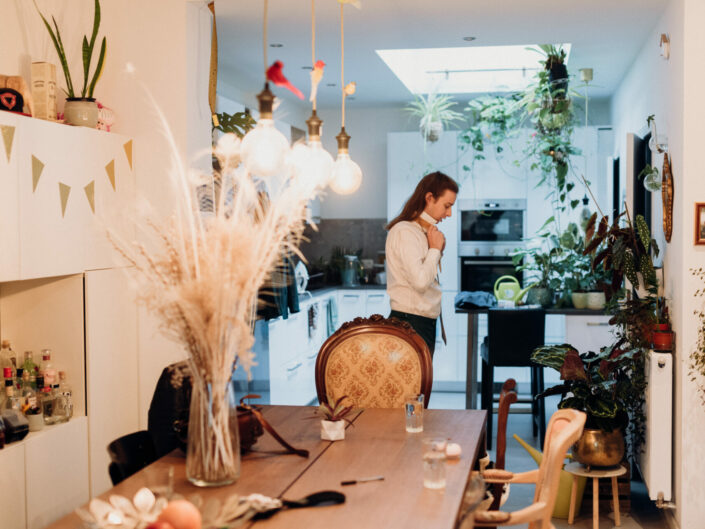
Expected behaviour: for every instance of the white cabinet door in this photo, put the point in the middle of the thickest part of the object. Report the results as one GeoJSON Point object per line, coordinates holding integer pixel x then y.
{"type": "Point", "coordinates": [588, 333]}
{"type": "Point", "coordinates": [12, 486]}
{"type": "Point", "coordinates": [10, 156]}
{"type": "Point", "coordinates": [377, 302]}
{"type": "Point", "coordinates": [351, 305]}
{"type": "Point", "coordinates": [57, 472]}
{"type": "Point", "coordinates": [112, 368]}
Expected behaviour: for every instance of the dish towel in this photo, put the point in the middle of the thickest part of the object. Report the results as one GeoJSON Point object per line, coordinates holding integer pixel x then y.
{"type": "Point", "coordinates": [332, 315]}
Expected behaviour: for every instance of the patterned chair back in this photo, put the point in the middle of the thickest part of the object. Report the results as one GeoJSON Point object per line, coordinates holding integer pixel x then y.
{"type": "Point", "coordinates": [376, 362]}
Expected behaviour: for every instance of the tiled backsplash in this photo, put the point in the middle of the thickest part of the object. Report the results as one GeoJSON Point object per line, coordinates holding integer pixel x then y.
{"type": "Point", "coordinates": [367, 235]}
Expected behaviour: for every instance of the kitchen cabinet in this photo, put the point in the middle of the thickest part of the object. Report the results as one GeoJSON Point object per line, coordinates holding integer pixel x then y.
{"type": "Point", "coordinates": [377, 302]}
{"type": "Point", "coordinates": [588, 333]}
{"type": "Point", "coordinates": [351, 304]}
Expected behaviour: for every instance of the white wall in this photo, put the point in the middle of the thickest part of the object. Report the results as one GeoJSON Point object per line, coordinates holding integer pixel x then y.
{"type": "Point", "coordinates": [666, 89]}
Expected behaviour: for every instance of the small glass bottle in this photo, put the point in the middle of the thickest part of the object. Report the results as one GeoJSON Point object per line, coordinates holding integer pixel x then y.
{"type": "Point", "coordinates": [47, 404]}
{"type": "Point", "coordinates": [12, 402]}
{"type": "Point", "coordinates": [27, 393]}
{"type": "Point", "coordinates": [47, 369]}
{"type": "Point", "coordinates": [60, 411]}
{"type": "Point", "coordinates": [31, 368]}
{"type": "Point", "coordinates": [65, 390]}
{"type": "Point", "coordinates": [18, 380]}
{"type": "Point", "coordinates": [5, 360]}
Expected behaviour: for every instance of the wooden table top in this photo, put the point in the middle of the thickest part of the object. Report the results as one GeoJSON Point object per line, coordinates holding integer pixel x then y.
{"type": "Point", "coordinates": [376, 444]}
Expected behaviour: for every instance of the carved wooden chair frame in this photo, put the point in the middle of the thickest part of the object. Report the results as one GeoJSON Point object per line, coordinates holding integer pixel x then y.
{"type": "Point", "coordinates": [376, 324]}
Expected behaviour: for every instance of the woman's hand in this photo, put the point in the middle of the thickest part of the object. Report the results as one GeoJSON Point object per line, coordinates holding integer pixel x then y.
{"type": "Point", "coordinates": [435, 238]}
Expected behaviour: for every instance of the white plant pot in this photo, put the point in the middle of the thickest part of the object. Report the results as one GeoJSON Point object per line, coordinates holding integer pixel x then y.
{"type": "Point", "coordinates": [596, 300]}
{"type": "Point", "coordinates": [579, 299]}
{"type": "Point", "coordinates": [332, 430]}
{"type": "Point", "coordinates": [36, 422]}
{"type": "Point", "coordinates": [81, 112]}
{"type": "Point", "coordinates": [432, 132]}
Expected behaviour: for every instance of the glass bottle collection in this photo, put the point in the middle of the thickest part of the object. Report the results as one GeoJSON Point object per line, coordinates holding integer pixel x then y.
{"type": "Point", "coordinates": [32, 388]}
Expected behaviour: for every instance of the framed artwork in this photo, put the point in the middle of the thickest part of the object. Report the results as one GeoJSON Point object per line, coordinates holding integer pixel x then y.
{"type": "Point", "coordinates": [700, 223]}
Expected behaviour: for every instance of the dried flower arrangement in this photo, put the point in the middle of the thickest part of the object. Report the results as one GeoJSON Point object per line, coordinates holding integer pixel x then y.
{"type": "Point", "coordinates": [201, 273]}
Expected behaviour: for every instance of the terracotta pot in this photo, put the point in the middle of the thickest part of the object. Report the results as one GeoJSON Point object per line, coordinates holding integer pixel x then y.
{"type": "Point", "coordinates": [597, 448]}
{"type": "Point", "coordinates": [580, 299]}
{"type": "Point", "coordinates": [662, 340]}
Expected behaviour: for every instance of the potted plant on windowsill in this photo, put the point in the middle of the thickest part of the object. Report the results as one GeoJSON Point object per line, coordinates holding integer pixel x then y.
{"type": "Point", "coordinates": [80, 109]}
{"type": "Point", "coordinates": [333, 422]}
{"type": "Point", "coordinates": [598, 384]}
{"type": "Point", "coordinates": [434, 112]}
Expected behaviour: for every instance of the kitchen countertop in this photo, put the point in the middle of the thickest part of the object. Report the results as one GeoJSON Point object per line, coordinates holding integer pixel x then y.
{"type": "Point", "coordinates": [327, 289]}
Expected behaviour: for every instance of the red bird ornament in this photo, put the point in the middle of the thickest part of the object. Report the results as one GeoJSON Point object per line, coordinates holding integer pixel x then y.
{"type": "Point", "coordinates": [276, 75]}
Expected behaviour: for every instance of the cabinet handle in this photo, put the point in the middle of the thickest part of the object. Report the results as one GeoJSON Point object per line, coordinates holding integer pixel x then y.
{"type": "Point", "coordinates": [292, 369]}
{"type": "Point", "coordinates": [352, 296]}
{"type": "Point", "coordinates": [314, 355]}
{"type": "Point", "coordinates": [597, 324]}
{"type": "Point", "coordinates": [379, 297]}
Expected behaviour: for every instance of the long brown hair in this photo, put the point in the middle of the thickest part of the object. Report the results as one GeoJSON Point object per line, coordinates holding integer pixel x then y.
{"type": "Point", "coordinates": [435, 183]}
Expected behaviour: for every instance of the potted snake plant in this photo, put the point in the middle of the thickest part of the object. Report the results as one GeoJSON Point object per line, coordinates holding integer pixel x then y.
{"type": "Point", "coordinates": [81, 107]}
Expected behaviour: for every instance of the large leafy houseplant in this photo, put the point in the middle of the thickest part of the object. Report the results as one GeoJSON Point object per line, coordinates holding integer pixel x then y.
{"type": "Point", "coordinates": [597, 383]}
{"type": "Point", "coordinates": [434, 112]}
{"type": "Point", "coordinates": [86, 55]}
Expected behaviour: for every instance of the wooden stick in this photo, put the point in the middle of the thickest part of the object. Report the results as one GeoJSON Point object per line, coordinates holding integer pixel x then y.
{"type": "Point", "coordinates": [593, 196]}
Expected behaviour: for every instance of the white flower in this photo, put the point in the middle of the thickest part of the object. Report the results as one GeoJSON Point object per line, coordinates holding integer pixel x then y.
{"type": "Point", "coordinates": [121, 512]}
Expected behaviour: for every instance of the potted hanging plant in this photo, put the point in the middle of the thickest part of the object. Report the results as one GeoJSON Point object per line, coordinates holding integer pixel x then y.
{"type": "Point", "coordinates": [80, 108]}
{"type": "Point", "coordinates": [434, 112]}
{"type": "Point", "coordinates": [554, 64]}
{"type": "Point", "coordinates": [598, 384]}
{"type": "Point", "coordinates": [333, 421]}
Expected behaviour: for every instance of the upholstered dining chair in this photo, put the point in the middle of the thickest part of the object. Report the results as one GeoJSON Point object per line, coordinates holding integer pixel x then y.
{"type": "Point", "coordinates": [564, 429]}
{"type": "Point", "coordinates": [377, 362]}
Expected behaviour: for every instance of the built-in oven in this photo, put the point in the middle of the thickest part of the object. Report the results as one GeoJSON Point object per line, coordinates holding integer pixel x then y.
{"type": "Point", "coordinates": [490, 230]}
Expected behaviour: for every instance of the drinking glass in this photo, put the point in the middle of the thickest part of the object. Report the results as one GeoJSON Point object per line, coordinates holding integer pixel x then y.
{"type": "Point", "coordinates": [413, 408]}
{"type": "Point", "coordinates": [433, 451]}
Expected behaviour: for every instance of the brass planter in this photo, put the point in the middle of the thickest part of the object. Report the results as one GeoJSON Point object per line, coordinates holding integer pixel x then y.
{"type": "Point", "coordinates": [597, 448]}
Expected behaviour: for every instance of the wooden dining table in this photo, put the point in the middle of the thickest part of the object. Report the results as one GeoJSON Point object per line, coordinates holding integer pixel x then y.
{"type": "Point", "coordinates": [376, 444]}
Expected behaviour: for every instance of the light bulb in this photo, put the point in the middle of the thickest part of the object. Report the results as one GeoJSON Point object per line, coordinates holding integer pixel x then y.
{"type": "Point", "coordinates": [347, 175]}
{"type": "Point", "coordinates": [311, 165]}
{"type": "Point", "coordinates": [264, 149]}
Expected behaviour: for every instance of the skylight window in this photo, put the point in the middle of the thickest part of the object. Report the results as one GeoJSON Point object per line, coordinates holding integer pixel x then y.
{"type": "Point", "coordinates": [475, 69]}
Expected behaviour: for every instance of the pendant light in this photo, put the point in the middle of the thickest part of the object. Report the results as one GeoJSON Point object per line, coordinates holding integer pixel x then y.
{"type": "Point", "coordinates": [347, 175]}
{"type": "Point", "coordinates": [264, 149]}
{"type": "Point", "coordinates": [312, 163]}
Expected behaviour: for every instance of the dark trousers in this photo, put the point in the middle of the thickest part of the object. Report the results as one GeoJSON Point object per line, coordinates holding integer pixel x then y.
{"type": "Point", "coordinates": [424, 327]}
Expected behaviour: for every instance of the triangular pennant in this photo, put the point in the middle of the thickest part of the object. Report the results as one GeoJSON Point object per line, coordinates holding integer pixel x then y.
{"type": "Point", "coordinates": [90, 194]}
{"type": "Point", "coordinates": [128, 152]}
{"type": "Point", "coordinates": [8, 134]}
{"type": "Point", "coordinates": [37, 168]}
{"type": "Point", "coordinates": [110, 169]}
{"type": "Point", "coordinates": [64, 191]}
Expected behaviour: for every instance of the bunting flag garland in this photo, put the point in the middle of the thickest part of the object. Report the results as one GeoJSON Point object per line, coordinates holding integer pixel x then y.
{"type": "Point", "coordinates": [128, 152]}
{"type": "Point", "coordinates": [110, 169]}
{"type": "Point", "coordinates": [37, 168]}
{"type": "Point", "coordinates": [64, 191]}
{"type": "Point", "coordinates": [8, 134]}
{"type": "Point", "coordinates": [90, 194]}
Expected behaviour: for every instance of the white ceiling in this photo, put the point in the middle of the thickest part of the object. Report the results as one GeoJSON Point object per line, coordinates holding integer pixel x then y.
{"type": "Point", "coordinates": [606, 35]}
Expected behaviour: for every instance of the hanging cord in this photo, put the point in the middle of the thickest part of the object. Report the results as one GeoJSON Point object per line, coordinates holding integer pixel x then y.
{"type": "Point", "coordinates": [313, 42]}
{"type": "Point", "coordinates": [264, 37]}
{"type": "Point", "coordinates": [342, 66]}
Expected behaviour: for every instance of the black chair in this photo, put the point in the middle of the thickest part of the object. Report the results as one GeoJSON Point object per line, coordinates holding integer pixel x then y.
{"type": "Point", "coordinates": [512, 335]}
{"type": "Point", "coordinates": [129, 454]}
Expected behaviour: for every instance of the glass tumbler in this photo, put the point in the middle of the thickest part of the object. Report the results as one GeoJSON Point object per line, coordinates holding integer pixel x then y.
{"type": "Point", "coordinates": [413, 409]}
{"type": "Point", "coordinates": [433, 452]}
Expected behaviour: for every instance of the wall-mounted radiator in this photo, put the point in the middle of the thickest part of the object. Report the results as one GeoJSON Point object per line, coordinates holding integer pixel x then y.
{"type": "Point", "coordinates": [655, 460]}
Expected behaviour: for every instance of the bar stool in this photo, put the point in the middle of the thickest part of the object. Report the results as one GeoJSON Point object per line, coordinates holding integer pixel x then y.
{"type": "Point", "coordinates": [512, 335]}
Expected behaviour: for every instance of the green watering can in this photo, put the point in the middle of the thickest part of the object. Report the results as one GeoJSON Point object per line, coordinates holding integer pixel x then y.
{"type": "Point", "coordinates": [507, 288]}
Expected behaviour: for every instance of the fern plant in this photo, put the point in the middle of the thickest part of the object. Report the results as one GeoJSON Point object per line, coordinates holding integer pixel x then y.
{"type": "Point", "coordinates": [87, 55]}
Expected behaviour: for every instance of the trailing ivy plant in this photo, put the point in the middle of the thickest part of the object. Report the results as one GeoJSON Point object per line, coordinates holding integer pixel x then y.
{"type": "Point", "coordinates": [696, 364]}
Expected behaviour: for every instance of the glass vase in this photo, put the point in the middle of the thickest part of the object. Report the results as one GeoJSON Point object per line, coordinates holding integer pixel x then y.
{"type": "Point", "coordinates": [213, 451]}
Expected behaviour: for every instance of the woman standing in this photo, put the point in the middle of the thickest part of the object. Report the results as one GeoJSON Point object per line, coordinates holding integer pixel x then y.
{"type": "Point", "coordinates": [413, 252]}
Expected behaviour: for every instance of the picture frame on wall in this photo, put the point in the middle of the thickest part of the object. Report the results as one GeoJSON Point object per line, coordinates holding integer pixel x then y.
{"type": "Point", "coordinates": [700, 223]}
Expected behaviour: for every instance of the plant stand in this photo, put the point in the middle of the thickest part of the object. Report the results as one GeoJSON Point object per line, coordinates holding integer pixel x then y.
{"type": "Point", "coordinates": [613, 472]}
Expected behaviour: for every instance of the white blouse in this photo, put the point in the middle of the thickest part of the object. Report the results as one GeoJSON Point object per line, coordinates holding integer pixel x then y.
{"type": "Point", "coordinates": [412, 271]}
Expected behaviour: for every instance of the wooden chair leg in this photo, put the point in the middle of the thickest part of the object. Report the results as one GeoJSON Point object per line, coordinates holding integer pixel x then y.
{"type": "Point", "coordinates": [595, 504]}
{"type": "Point", "coordinates": [573, 498]}
{"type": "Point", "coordinates": [615, 500]}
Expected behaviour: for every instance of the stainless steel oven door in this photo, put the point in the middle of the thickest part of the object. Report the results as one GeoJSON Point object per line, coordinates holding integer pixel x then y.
{"type": "Point", "coordinates": [480, 273]}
